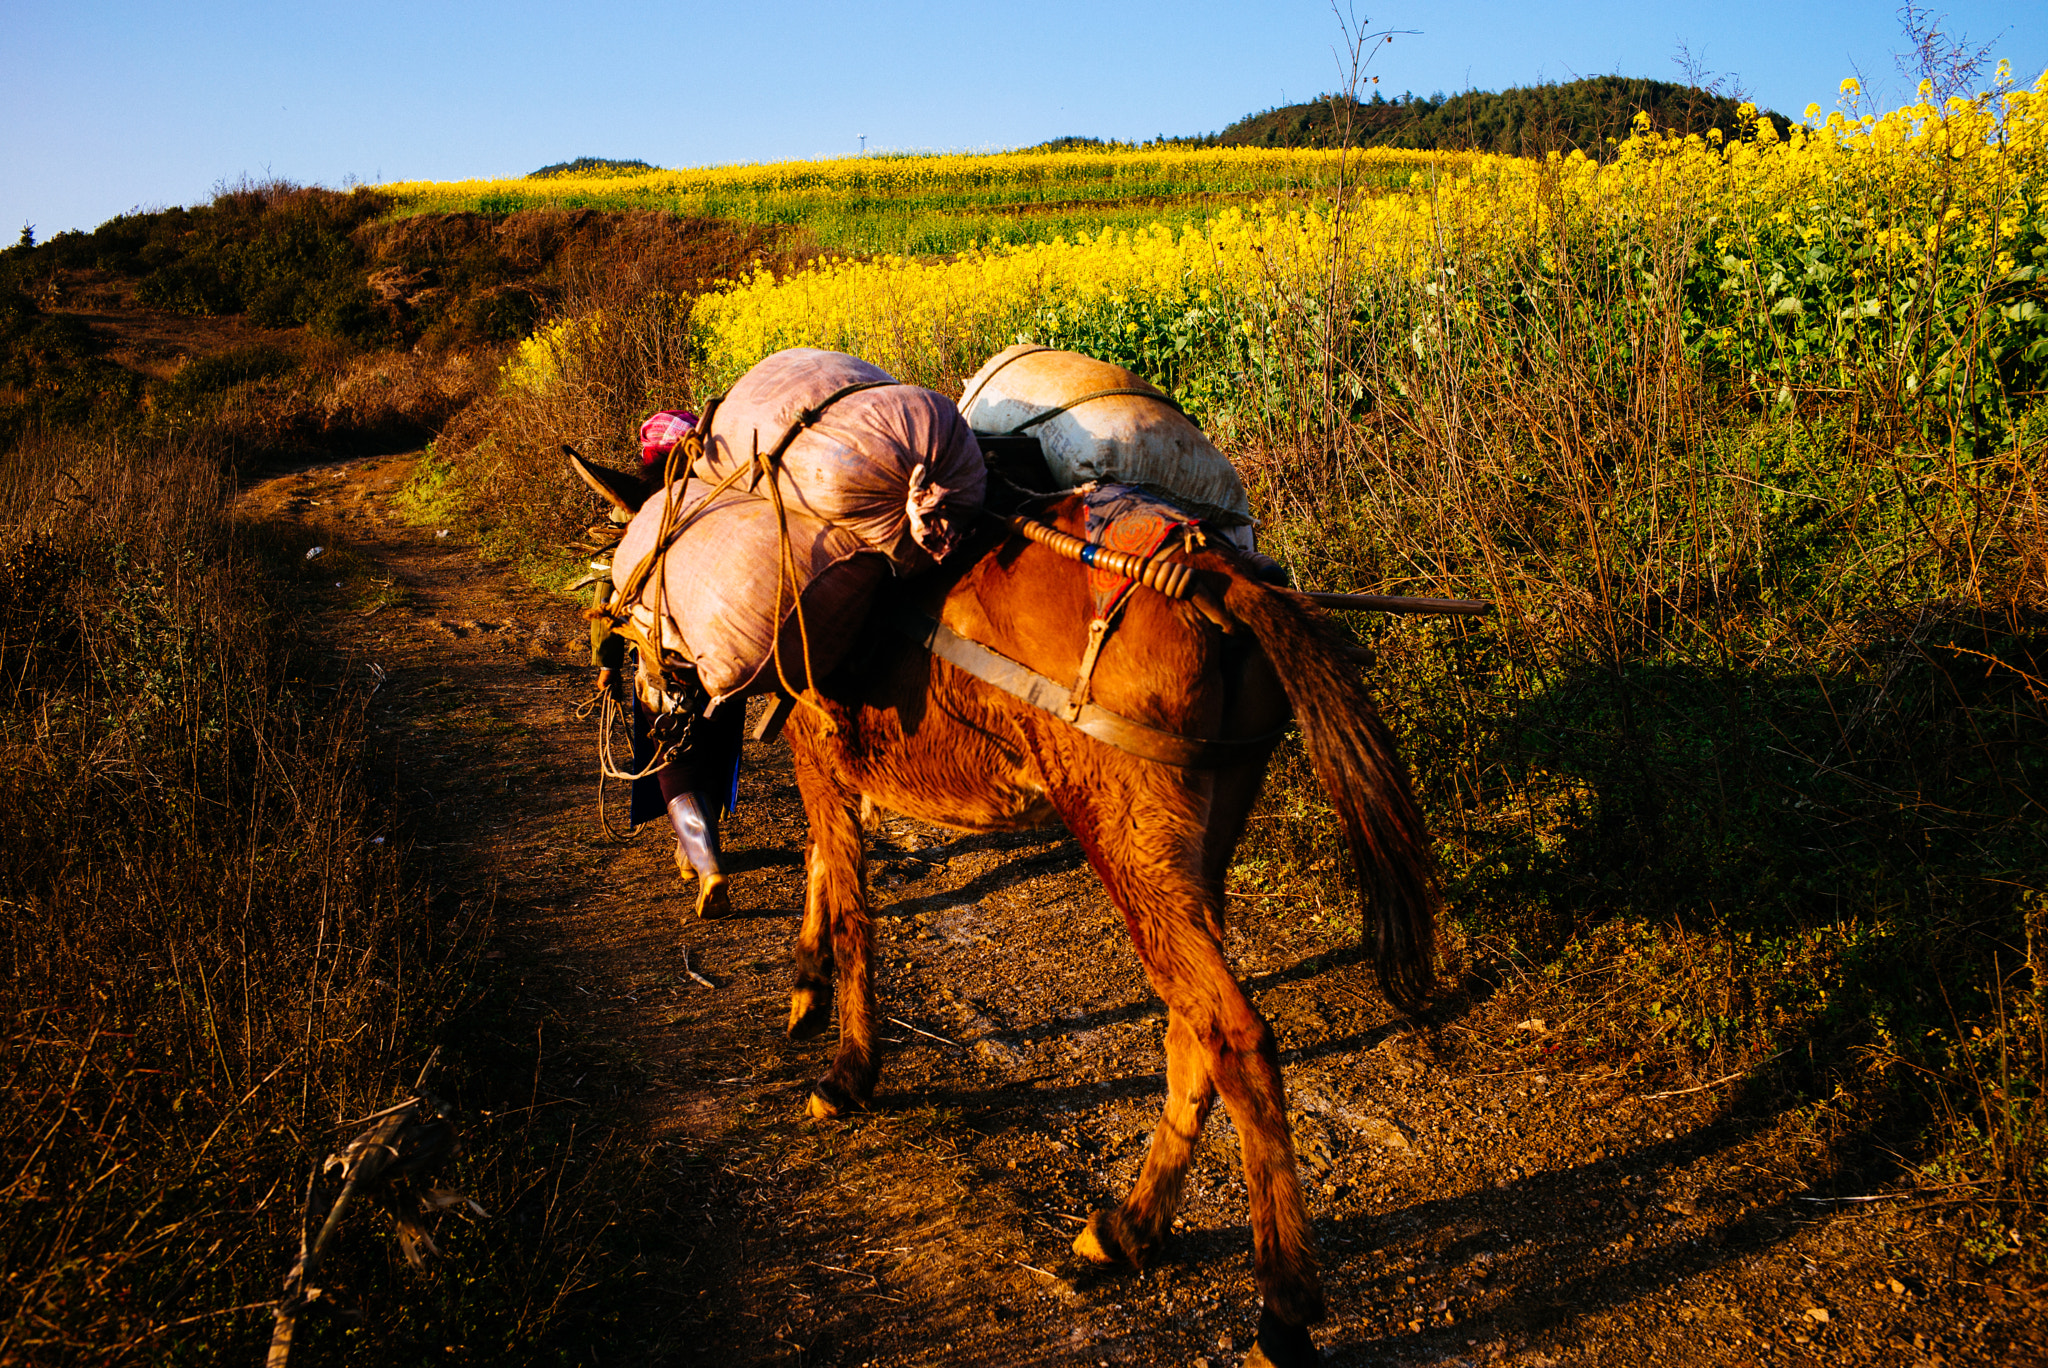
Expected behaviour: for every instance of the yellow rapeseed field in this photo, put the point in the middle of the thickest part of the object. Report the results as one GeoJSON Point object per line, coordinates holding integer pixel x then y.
{"type": "Point", "coordinates": [1841, 211]}
{"type": "Point", "coordinates": [1007, 176]}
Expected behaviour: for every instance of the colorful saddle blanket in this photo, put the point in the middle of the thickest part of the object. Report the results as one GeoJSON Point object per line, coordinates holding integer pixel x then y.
{"type": "Point", "coordinates": [1126, 518]}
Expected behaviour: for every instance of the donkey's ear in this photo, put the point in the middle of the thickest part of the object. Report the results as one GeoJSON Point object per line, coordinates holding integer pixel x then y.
{"type": "Point", "coordinates": [621, 490]}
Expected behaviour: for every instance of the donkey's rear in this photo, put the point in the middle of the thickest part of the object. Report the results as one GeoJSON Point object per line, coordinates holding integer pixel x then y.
{"type": "Point", "coordinates": [903, 727]}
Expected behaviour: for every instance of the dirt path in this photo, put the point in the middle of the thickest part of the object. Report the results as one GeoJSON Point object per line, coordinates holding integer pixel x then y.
{"type": "Point", "coordinates": [1473, 1206]}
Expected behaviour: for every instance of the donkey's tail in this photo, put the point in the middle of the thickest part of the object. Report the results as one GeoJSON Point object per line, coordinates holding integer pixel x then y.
{"type": "Point", "coordinates": [1367, 783]}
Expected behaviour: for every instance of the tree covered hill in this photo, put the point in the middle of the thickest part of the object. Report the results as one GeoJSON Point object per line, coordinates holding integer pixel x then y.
{"type": "Point", "coordinates": [1523, 120]}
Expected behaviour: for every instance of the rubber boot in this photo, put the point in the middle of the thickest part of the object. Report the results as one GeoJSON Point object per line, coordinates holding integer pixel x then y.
{"type": "Point", "coordinates": [696, 824]}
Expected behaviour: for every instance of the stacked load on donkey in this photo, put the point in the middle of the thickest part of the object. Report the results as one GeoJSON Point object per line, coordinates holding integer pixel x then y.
{"type": "Point", "coordinates": [818, 475]}
{"type": "Point", "coordinates": [894, 464]}
{"type": "Point", "coordinates": [1097, 422]}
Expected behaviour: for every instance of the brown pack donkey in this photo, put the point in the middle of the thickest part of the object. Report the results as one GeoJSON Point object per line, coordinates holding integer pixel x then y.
{"type": "Point", "coordinates": [904, 730]}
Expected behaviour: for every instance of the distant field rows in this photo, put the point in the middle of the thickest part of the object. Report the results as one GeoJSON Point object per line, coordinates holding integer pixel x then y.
{"type": "Point", "coordinates": [932, 205]}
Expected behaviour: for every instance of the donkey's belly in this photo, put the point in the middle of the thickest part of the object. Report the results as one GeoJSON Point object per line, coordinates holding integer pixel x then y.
{"type": "Point", "coordinates": [997, 807]}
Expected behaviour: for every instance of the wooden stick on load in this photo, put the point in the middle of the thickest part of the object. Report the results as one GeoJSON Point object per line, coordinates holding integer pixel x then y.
{"type": "Point", "coordinates": [1175, 579]}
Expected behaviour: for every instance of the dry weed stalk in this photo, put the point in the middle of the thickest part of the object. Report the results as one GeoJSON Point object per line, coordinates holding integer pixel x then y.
{"type": "Point", "coordinates": [386, 1165]}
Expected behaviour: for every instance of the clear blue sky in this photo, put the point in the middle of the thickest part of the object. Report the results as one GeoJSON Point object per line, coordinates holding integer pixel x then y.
{"type": "Point", "coordinates": [114, 104]}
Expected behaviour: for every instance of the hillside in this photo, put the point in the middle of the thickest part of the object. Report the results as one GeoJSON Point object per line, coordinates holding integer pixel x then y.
{"type": "Point", "coordinates": [270, 294]}
{"type": "Point", "coordinates": [1519, 121]}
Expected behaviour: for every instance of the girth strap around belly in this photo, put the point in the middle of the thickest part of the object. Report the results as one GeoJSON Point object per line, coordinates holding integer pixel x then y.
{"type": "Point", "coordinates": [1026, 684]}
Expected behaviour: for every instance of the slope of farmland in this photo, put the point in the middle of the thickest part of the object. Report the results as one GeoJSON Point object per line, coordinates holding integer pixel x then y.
{"type": "Point", "coordinates": [927, 205]}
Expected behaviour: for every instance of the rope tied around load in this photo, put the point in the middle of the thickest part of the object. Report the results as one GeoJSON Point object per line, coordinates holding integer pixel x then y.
{"type": "Point", "coordinates": [1090, 397]}
{"type": "Point", "coordinates": [676, 519]}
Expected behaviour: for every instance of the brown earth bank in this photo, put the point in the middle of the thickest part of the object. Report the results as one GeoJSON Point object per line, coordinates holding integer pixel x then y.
{"type": "Point", "coordinates": [1475, 1203]}
{"type": "Point", "coordinates": [161, 322]}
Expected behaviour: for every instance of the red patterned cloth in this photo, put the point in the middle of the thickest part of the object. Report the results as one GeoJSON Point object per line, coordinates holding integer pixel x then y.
{"type": "Point", "coordinates": [659, 434]}
{"type": "Point", "coordinates": [1126, 518]}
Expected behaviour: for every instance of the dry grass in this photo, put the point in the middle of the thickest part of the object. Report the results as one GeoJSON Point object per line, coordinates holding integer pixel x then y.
{"type": "Point", "coordinates": [207, 958]}
{"type": "Point", "coordinates": [505, 451]}
{"type": "Point", "coordinates": [215, 949]}
{"type": "Point", "coordinates": [214, 956]}
{"type": "Point", "coordinates": [1751, 757]}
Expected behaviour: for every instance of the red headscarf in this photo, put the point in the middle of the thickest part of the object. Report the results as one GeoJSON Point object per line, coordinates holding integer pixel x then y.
{"type": "Point", "coordinates": [659, 434]}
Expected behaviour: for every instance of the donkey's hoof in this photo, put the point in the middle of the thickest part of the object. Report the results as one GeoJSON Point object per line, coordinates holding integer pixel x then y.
{"type": "Point", "coordinates": [713, 900]}
{"type": "Point", "coordinates": [1281, 1345]}
{"type": "Point", "coordinates": [809, 1010]}
{"type": "Point", "coordinates": [1097, 1241]}
{"type": "Point", "coordinates": [829, 1101]}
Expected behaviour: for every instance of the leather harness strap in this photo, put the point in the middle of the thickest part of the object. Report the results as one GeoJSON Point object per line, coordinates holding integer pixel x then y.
{"type": "Point", "coordinates": [1024, 683]}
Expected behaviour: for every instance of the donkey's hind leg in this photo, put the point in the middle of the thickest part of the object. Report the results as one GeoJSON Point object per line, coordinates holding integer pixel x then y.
{"type": "Point", "coordinates": [810, 1000]}
{"type": "Point", "coordinates": [1151, 864]}
{"type": "Point", "coordinates": [1217, 1040]}
{"type": "Point", "coordinates": [836, 905]}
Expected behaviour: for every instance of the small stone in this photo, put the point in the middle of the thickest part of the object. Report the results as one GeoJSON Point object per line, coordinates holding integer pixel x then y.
{"type": "Point", "coordinates": [1384, 1132]}
{"type": "Point", "coordinates": [1898, 1288]}
{"type": "Point", "coordinates": [1817, 1313]}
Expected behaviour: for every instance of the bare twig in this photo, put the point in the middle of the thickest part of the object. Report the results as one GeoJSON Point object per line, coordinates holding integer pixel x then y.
{"type": "Point", "coordinates": [1879, 1197]}
{"type": "Point", "coordinates": [407, 1142]}
{"type": "Point", "coordinates": [376, 1115]}
{"type": "Point", "coordinates": [927, 1034]}
{"type": "Point", "coordinates": [1715, 1083]}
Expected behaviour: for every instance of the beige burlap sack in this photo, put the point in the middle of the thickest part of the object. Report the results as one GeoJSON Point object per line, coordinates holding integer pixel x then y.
{"type": "Point", "coordinates": [720, 576]}
{"type": "Point", "coordinates": [1117, 438]}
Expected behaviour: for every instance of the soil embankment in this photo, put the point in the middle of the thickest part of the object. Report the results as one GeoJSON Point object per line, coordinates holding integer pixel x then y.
{"type": "Point", "coordinates": [1473, 1205]}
